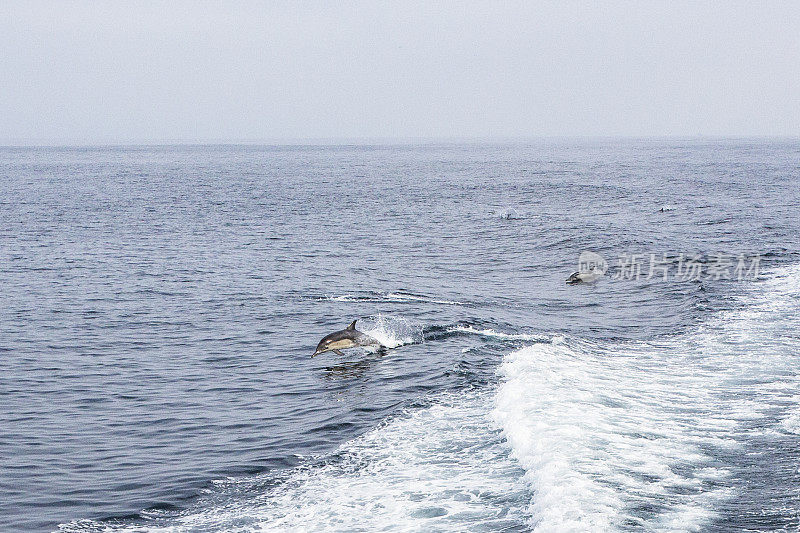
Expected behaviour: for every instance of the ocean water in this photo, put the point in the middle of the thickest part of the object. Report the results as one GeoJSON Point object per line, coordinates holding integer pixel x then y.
{"type": "Point", "coordinates": [159, 306]}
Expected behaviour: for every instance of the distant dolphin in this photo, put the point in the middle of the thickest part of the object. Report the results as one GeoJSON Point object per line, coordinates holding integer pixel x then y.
{"type": "Point", "coordinates": [349, 337]}
{"type": "Point", "coordinates": [583, 277]}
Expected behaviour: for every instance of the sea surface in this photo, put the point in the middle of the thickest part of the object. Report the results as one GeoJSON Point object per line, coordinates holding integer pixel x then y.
{"type": "Point", "coordinates": [159, 306]}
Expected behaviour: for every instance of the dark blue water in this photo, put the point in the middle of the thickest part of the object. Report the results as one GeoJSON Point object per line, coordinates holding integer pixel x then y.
{"type": "Point", "coordinates": [159, 306]}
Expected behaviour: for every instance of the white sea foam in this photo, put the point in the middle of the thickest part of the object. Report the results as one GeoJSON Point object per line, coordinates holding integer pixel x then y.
{"type": "Point", "coordinates": [601, 434]}
{"type": "Point", "coordinates": [509, 213]}
{"type": "Point", "coordinates": [441, 468]}
{"type": "Point", "coordinates": [620, 437]}
{"type": "Point", "coordinates": [391, 297]}
{"type": "Point", "coordinates": [497, 334]}
{"type": "Point", "coordinates": [791, 423]}
{"type": "Point", "coordinates": [414, 298]}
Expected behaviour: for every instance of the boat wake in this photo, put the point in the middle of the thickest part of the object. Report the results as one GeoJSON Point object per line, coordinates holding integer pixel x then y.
{"type": "Point", "coordinates": [577, 436]}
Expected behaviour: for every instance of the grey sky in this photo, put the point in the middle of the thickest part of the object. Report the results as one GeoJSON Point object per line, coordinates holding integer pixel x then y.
{"type": "Point", "coordinates": [271, 71]}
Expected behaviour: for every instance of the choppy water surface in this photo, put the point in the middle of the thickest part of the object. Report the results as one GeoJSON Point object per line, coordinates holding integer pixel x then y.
{"type": "Point", "coordinates": [160, 305]}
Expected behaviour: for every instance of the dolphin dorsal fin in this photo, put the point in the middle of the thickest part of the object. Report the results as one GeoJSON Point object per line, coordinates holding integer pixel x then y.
{"type": "Point", "coordinates": [352, 324]}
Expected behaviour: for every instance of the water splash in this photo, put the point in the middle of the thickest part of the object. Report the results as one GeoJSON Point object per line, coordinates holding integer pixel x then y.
{"type": "Point", "coordinates": [391, 331]}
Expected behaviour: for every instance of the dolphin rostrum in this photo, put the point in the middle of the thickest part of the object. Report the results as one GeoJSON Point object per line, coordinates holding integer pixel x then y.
{"type": "Point", "coordinates": [349, 337]}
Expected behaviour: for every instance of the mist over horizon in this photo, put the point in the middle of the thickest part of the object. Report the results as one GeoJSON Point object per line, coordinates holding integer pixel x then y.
{"type": "Point", "coordinates": [286, 73]}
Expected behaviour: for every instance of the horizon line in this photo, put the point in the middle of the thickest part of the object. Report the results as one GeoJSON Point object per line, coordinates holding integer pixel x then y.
{"type": "Point", "coordinates": [374, 141]}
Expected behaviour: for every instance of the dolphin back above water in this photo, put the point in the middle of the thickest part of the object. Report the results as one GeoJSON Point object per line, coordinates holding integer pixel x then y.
{"type": "Point", "coordinates": [584, 276]}
{"type": "Point", "coordinates": [349, 337]}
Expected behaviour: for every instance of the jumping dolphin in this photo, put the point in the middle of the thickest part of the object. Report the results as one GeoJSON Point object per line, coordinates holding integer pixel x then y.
{"type": "Point", "coordinates": [349, 337]}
